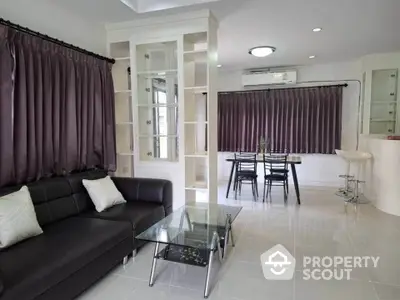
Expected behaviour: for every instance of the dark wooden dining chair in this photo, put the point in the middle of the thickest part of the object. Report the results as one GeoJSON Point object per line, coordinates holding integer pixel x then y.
{"type": "Point", "coordinates": [246, 172]}
{"type": "Point", "coordinates": [275, 173]}
{"type": "Point", "coordinates": [273, 152]}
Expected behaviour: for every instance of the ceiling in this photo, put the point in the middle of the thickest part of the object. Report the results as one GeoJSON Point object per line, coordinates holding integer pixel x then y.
{"type": "Point", "coordinates": [143, 6]}
{"type": "Point", "coordinates": [351, 28]}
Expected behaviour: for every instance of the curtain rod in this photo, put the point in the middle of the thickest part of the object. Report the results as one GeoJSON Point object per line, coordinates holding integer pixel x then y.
{"type": "Point", "coordinates": [53, 40]}
{"type": "Point", "coordinates": [289, 87]}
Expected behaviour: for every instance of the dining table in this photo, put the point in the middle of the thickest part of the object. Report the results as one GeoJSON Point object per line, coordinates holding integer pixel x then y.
{"type": "Point", "coordinates": [292, 160]}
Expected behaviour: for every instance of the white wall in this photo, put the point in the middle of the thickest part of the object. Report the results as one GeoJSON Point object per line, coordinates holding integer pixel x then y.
{"type": "Point", "coordinates": [46, 17]}
{"type": "Point", "coordinates": [316, 169]}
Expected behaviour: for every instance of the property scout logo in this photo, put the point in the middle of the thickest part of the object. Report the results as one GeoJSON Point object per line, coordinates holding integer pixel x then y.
{"type": "Point", "coordinates": [279, 264]}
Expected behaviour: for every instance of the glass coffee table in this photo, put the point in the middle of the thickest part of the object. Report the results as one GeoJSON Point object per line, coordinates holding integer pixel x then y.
{"type": "Point", "coordinates": [193, 234]}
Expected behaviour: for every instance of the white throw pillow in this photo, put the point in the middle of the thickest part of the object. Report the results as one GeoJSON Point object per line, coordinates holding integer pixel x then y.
{"type": "Point", "coordinates": [18, 220]}
{"type": "Point", "coordinates": [103, 193]}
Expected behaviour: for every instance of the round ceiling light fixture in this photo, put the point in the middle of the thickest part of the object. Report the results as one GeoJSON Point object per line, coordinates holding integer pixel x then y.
{"type": "Point", "coordinates": [262, 51]}
{"type": "Point", "coordinates": [317, 29]}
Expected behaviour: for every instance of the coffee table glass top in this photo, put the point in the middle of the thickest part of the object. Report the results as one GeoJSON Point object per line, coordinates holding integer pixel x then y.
{"type": "Point", "coordinates": [192, 225]}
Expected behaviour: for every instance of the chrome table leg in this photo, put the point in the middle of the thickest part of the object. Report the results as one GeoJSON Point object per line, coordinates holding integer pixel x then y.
{"type": "Point", "coordinates": [226, 242]}
{"type": "Point", "coordinates": [219, 250]}
{"type": "Point", "coordinates": [232, 238]}
{"type": "Point", "coordinates": [153, 266]}
{"type": "Point", "coordinates": [209, 267]}
{"type": "Point", "coordinates": [228, 229]}
{"type": "Point", "coordinates": [214, 246]}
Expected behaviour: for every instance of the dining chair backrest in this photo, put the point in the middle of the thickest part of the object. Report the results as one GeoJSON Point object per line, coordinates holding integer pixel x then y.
{"type": "Point", "coordinates": [275, 163]}
{"type": "Point", "coordinates": [246, 162]}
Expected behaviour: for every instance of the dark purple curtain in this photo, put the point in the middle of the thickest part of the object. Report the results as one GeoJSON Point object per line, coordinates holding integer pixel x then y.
{"type": "Point", "coordinates": [293, 120]}
{"type": "Point", "coordinates": [57, 109]}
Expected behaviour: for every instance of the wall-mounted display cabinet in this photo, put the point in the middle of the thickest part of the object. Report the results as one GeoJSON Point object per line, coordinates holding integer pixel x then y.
{"type": "Point", "coordinates": [380, 102]}
{"type": "Point", "coordinates": [171, 103]}
{"type": "Point", "coordinates": [383, 102]}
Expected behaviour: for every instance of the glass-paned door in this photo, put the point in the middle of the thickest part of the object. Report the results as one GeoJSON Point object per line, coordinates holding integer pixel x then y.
{"type": "Point", "coordinates": [157, 101]}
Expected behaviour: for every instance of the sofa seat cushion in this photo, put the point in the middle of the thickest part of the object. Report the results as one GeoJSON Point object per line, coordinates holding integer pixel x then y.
{"type": "Point", "coordinates": [141, 215]}
{"type": "Point", "coordinates": [35, 265]}
{"type": "Point", "coordinates": [1, 286]}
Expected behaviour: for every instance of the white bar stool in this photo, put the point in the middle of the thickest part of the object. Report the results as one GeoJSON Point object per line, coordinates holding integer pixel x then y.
{"type": "Point", "coordinates": [358, 158]}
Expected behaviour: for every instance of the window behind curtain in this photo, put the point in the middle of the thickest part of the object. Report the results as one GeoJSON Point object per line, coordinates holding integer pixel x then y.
{"type": "Point", "coordinates": [294, 120]}
{"type": "Point", "coordinates": [56, 110]}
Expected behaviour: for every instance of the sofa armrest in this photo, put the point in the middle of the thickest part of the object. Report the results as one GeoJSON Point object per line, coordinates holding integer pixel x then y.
{"type": "Point", "coordinates": [146, 189]}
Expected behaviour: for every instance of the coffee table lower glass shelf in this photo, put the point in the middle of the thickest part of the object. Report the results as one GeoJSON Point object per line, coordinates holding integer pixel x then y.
{"type": "Point", "coordinates": [193, 235]}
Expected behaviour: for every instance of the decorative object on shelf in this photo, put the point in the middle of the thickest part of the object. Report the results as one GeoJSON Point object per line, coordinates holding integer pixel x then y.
{"type": "Point", "coordinates": [262, 145]}
{"type": "Point", "coordinates": [129, 78]}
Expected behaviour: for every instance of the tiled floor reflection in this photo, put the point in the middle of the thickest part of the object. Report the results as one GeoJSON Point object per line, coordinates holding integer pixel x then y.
{"type": "Point", "coordinates": [318, 227]}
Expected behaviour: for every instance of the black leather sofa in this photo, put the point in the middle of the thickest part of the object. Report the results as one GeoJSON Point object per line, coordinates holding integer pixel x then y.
{"type": "Point", "coordinates": [79, 245]}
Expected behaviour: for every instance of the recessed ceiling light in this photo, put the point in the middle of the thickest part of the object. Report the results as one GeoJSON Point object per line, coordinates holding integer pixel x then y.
{"type": "Point", "coordinates": [317, 29]}
{"type": "Point", "coordinates": [262, 51]}
{"type": "Point", "coordinates": [219, 66]}
{"type": "Point", "coordinates": [311, 56]}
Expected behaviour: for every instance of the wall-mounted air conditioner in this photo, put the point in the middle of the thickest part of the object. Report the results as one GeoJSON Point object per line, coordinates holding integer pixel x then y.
{"type": "Point", "coordinates": [257, 77]}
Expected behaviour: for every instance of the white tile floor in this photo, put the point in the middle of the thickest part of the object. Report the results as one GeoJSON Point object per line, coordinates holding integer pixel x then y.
{"type": "Point", "coordinates": [318, 227]}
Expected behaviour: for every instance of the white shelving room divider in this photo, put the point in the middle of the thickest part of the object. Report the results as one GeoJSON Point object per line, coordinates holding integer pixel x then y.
{"type": "Point", "coordinates": [166, 106]}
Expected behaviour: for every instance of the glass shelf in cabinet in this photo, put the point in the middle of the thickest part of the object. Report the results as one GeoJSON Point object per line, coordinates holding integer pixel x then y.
{"type": "Point", "coordinates": [196, 123]}
{"type": "Point", "coordinates": [125, 153]}
{"type": "Point", "coordinates": [124, 123]}
{"type": "Point", "coordinates": [157, 73]}
{"type": "Point", "coordinates": [157, 105]}
{"type": "Point", "coordinates": [197, 186]}
{"type": "Point", "coordinates": [197, 89]}
{"type": "Point", "coordinates": [158, 135]}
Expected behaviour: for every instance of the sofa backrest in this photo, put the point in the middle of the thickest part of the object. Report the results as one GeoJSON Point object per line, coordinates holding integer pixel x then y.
{"type": "Point", "coordinates": [58, 198]}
